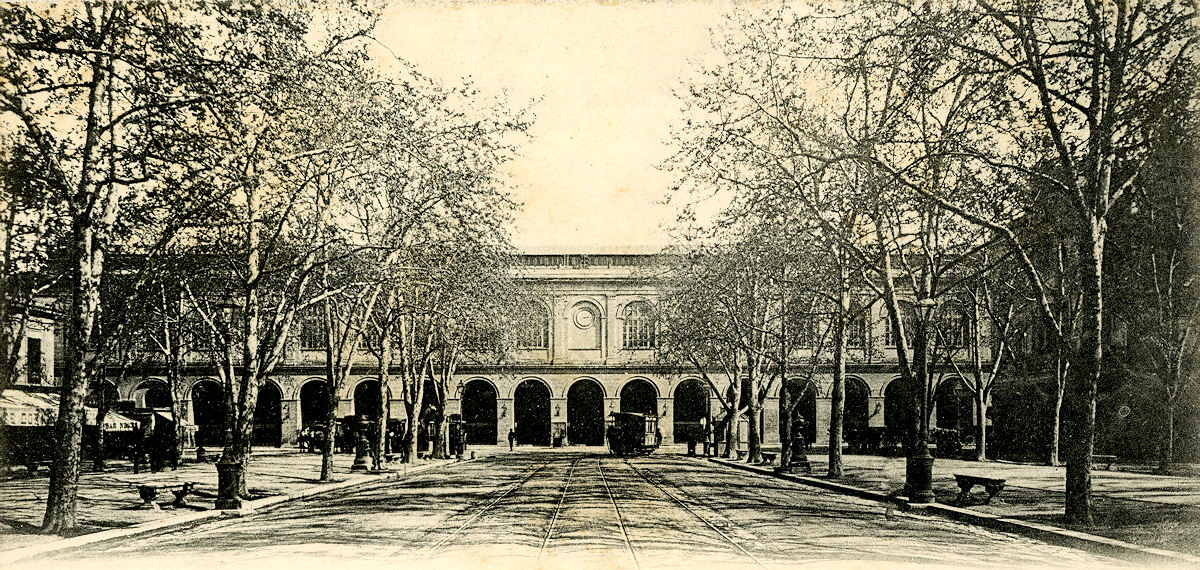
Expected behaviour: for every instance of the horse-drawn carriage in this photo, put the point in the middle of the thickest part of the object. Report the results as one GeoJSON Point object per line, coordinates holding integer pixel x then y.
{"type": "Point", "coordinates": [633, 434]}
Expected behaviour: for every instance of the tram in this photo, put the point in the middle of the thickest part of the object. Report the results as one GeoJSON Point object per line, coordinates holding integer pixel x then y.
{"type": "Point", "coordinates": [633, 434]}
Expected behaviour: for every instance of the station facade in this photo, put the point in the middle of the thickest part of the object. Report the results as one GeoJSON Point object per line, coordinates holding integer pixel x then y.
{"type": "Point", "coordinates": [594, 354]}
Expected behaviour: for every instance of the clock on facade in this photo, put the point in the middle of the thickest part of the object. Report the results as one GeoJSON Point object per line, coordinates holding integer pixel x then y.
{"type": "Point", "coordinates": [584, 318]}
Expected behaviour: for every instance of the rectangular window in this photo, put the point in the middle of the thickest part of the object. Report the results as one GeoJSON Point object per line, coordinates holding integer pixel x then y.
{"type": "Point", "coordinates": [33, 361]}
{"type": "Point", "coordinates": [534, 335]}
{"type": "Point", "coordinates": [312, 333]}
{"type": "Point", "coordinates": [639, 334]}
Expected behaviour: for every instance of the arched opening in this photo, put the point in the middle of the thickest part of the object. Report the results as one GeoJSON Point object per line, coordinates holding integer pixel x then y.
{"type": "Point", "coordinates": [208, 413]}
{"type": "Point", "coordinates": [314, 404]}
{"type": "Point", "coordinates": [640, 397]}
{"type": "Point", "coordinates": [153, 394]}
{"type": "Point", "coordinates": [268, 416]}
{"type": "Point", "coordinates": [954, 406]}
{"type": "Point", "coordinates": [856, 414]}
{"type": "Point", "coordinates": [531, 401]}
{"type": "Point", "coordinates": [479, 412]}
{"type": "Point", "coordinates": [691, 406]}
{"type": "Point", "coordinates": [585, 413]}
{"type": "Point", "coordinates": [804, 396]}
{"type": "Point", "coordinates": [367, 401]}
{"type": "Point", "coordinates": [896, 403]}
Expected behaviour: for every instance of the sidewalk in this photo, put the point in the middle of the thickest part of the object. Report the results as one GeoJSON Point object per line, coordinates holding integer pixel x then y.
{"type": "Point", "coordinates": [1150, 511]}
{"type": "Point", "coordinates": [110, 500]}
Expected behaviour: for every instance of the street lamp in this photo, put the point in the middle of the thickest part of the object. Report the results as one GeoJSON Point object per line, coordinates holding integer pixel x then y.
{"type": "Point", "coordinates": [918, 481]}
{"type": "Point", "coordinates": [229, 469]}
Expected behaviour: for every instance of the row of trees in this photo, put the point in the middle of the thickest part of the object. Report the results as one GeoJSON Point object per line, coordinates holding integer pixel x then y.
{"type": "Point", "coordinates": [967, 164]}
{"type": "Point", "coordinates": [198, 178]}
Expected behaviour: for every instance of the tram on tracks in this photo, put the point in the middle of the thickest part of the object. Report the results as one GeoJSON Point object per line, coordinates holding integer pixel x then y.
{"type": "Point", "coordinates": [633, 434]}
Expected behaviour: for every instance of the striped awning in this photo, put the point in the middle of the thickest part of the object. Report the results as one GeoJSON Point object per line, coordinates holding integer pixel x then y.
{"type": "Point", "coordinates": [40, 409]}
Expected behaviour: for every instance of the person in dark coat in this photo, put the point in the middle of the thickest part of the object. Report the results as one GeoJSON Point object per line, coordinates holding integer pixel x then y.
{"type": "Point", "coordinates": [512, 439]}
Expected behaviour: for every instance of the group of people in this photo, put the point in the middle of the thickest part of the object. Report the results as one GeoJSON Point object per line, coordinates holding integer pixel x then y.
{"type": "Point", "coordinates": [154, 442]}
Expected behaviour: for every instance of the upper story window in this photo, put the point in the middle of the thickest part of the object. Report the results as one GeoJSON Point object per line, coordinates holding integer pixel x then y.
{"type": "Point", "coordinates": [638, 332]}
{"type": "Point", "coordinates": [534, 328]}
{"type": "Point", "coordinates": [908, 317]}
{"type": "Point", "coordinates": [955, 325]}
{"type": "Point", "coordinates": [312, 332]}
{"type": "Point", "coordinates": [856, 325]}
{"type": "Point", "coordinates": [35, 370]}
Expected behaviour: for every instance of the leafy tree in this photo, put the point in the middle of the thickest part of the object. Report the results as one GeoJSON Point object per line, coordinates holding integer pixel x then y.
{"type": "Point", "coordinates": [100, 93]}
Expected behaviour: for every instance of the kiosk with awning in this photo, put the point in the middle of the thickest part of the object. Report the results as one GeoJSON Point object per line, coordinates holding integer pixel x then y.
{"type": "Point", "coordinates": [28, 425]}
{"type": "Point", "coordinates": [19, 408]}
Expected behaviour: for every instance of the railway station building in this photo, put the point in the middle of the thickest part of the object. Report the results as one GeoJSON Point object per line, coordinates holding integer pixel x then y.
{"type": "Point", "coordinates": [593, 354]}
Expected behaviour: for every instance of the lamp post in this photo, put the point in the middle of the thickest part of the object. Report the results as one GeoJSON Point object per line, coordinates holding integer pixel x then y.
{"type": "Point", "coordinates": [919, 465]}
{"type": "Point", "coordinates": [229, 469]}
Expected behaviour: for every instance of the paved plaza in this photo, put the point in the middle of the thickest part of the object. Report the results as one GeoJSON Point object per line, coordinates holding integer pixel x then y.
{"type": "Point", "coordinates": [582, 510]}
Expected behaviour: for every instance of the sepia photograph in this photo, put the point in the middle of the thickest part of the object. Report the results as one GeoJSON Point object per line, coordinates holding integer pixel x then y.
{"type": "Point", "coordinates": [622, 284]}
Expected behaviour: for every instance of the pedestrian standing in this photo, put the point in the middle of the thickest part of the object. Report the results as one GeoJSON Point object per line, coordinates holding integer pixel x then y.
{"type": "Point", "coordinates": [512, 439]}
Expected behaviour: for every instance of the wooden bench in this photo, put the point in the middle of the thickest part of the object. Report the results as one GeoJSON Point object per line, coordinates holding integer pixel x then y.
{"type": "Point", "coordinates": [992, 485]}
{"type": "Point", "coordinates": [1107, 460]}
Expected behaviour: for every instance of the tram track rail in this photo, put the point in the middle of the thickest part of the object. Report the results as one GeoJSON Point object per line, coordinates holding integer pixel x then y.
{"type": "Point", "coordinates": [662, 489]}
{"type": "Point", "coordinates": [620, 521]}
{"type": "Point", "coordinates": [558, 508]}
{"type": "Point", "coordinates": [479, 514]}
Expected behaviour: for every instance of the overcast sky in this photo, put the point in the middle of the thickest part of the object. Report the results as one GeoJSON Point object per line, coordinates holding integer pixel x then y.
{"type": "Point", "coordinates": [604, 73]}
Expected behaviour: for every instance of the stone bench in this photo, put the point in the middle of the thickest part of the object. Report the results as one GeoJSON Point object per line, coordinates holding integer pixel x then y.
{"type": "Point", "coordinates": [769, 458]}
{"type": "Point", "coordinates": [33, 466]}
{"type": "Point", "coordinates": [150, 492]}
{"type": "Point", "coordinates": [1107, 460]}
{"type": "Point", "coordinates": [992, 485]}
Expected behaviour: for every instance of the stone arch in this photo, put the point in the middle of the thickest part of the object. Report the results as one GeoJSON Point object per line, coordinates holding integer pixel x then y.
{"type": "Point", "coordinates": [690, 401]}
{"type": "Point", "coordinates": [152, 393]}
{"type": "Point", "coordinates": [365, 397]}
{"type": "Point", "coordinates": [268, 415]}
{"type": "Point", "coordinates": [313, 395]}
{"type": "Point", "coordinates": [208, 407]}
{"type": "Point", "coordinates": [567, 386]}
{"type": "Point", "coordinates": [674, 386]}
{"type": "Point", "coordinates": [895, 407]}
{"type": "Point", "coordinates": [478, 404]}
{"type": "Point", "coordinates": [585, 411]}
{"type": "Point", "coordinates": [531, 411]}
{"type": "Point", "coordinates": [639, 395]}
{"type": "Point", "coordinates": [539, 379]}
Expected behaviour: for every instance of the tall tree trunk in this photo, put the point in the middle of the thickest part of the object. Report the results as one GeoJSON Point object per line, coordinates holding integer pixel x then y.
{"type": "Point", "coordinates": [1080, 396]}
{"type": "Point", "coordinates": [752, 438]}
{"type": "Point", "coordinates": [981, 408]}
{"type": "Point", "coordinates": [837, 400]}
{"type": "Point", "coordinates": [1061, 367]}
{"type": "Point", "coordinates": [332, 396]}
{"type": "Point", "coordinates": [379, 438]}
{"type": "Point", "coordinates": [785, 423]}
{"type": "Point", "coordinates": [68, 428]}
{"type": "Point", "coordinates": [1168, 447]}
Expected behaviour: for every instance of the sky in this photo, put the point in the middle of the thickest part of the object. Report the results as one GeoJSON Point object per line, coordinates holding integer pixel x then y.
{"type": "Point", "coordinates": [604, 76]}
